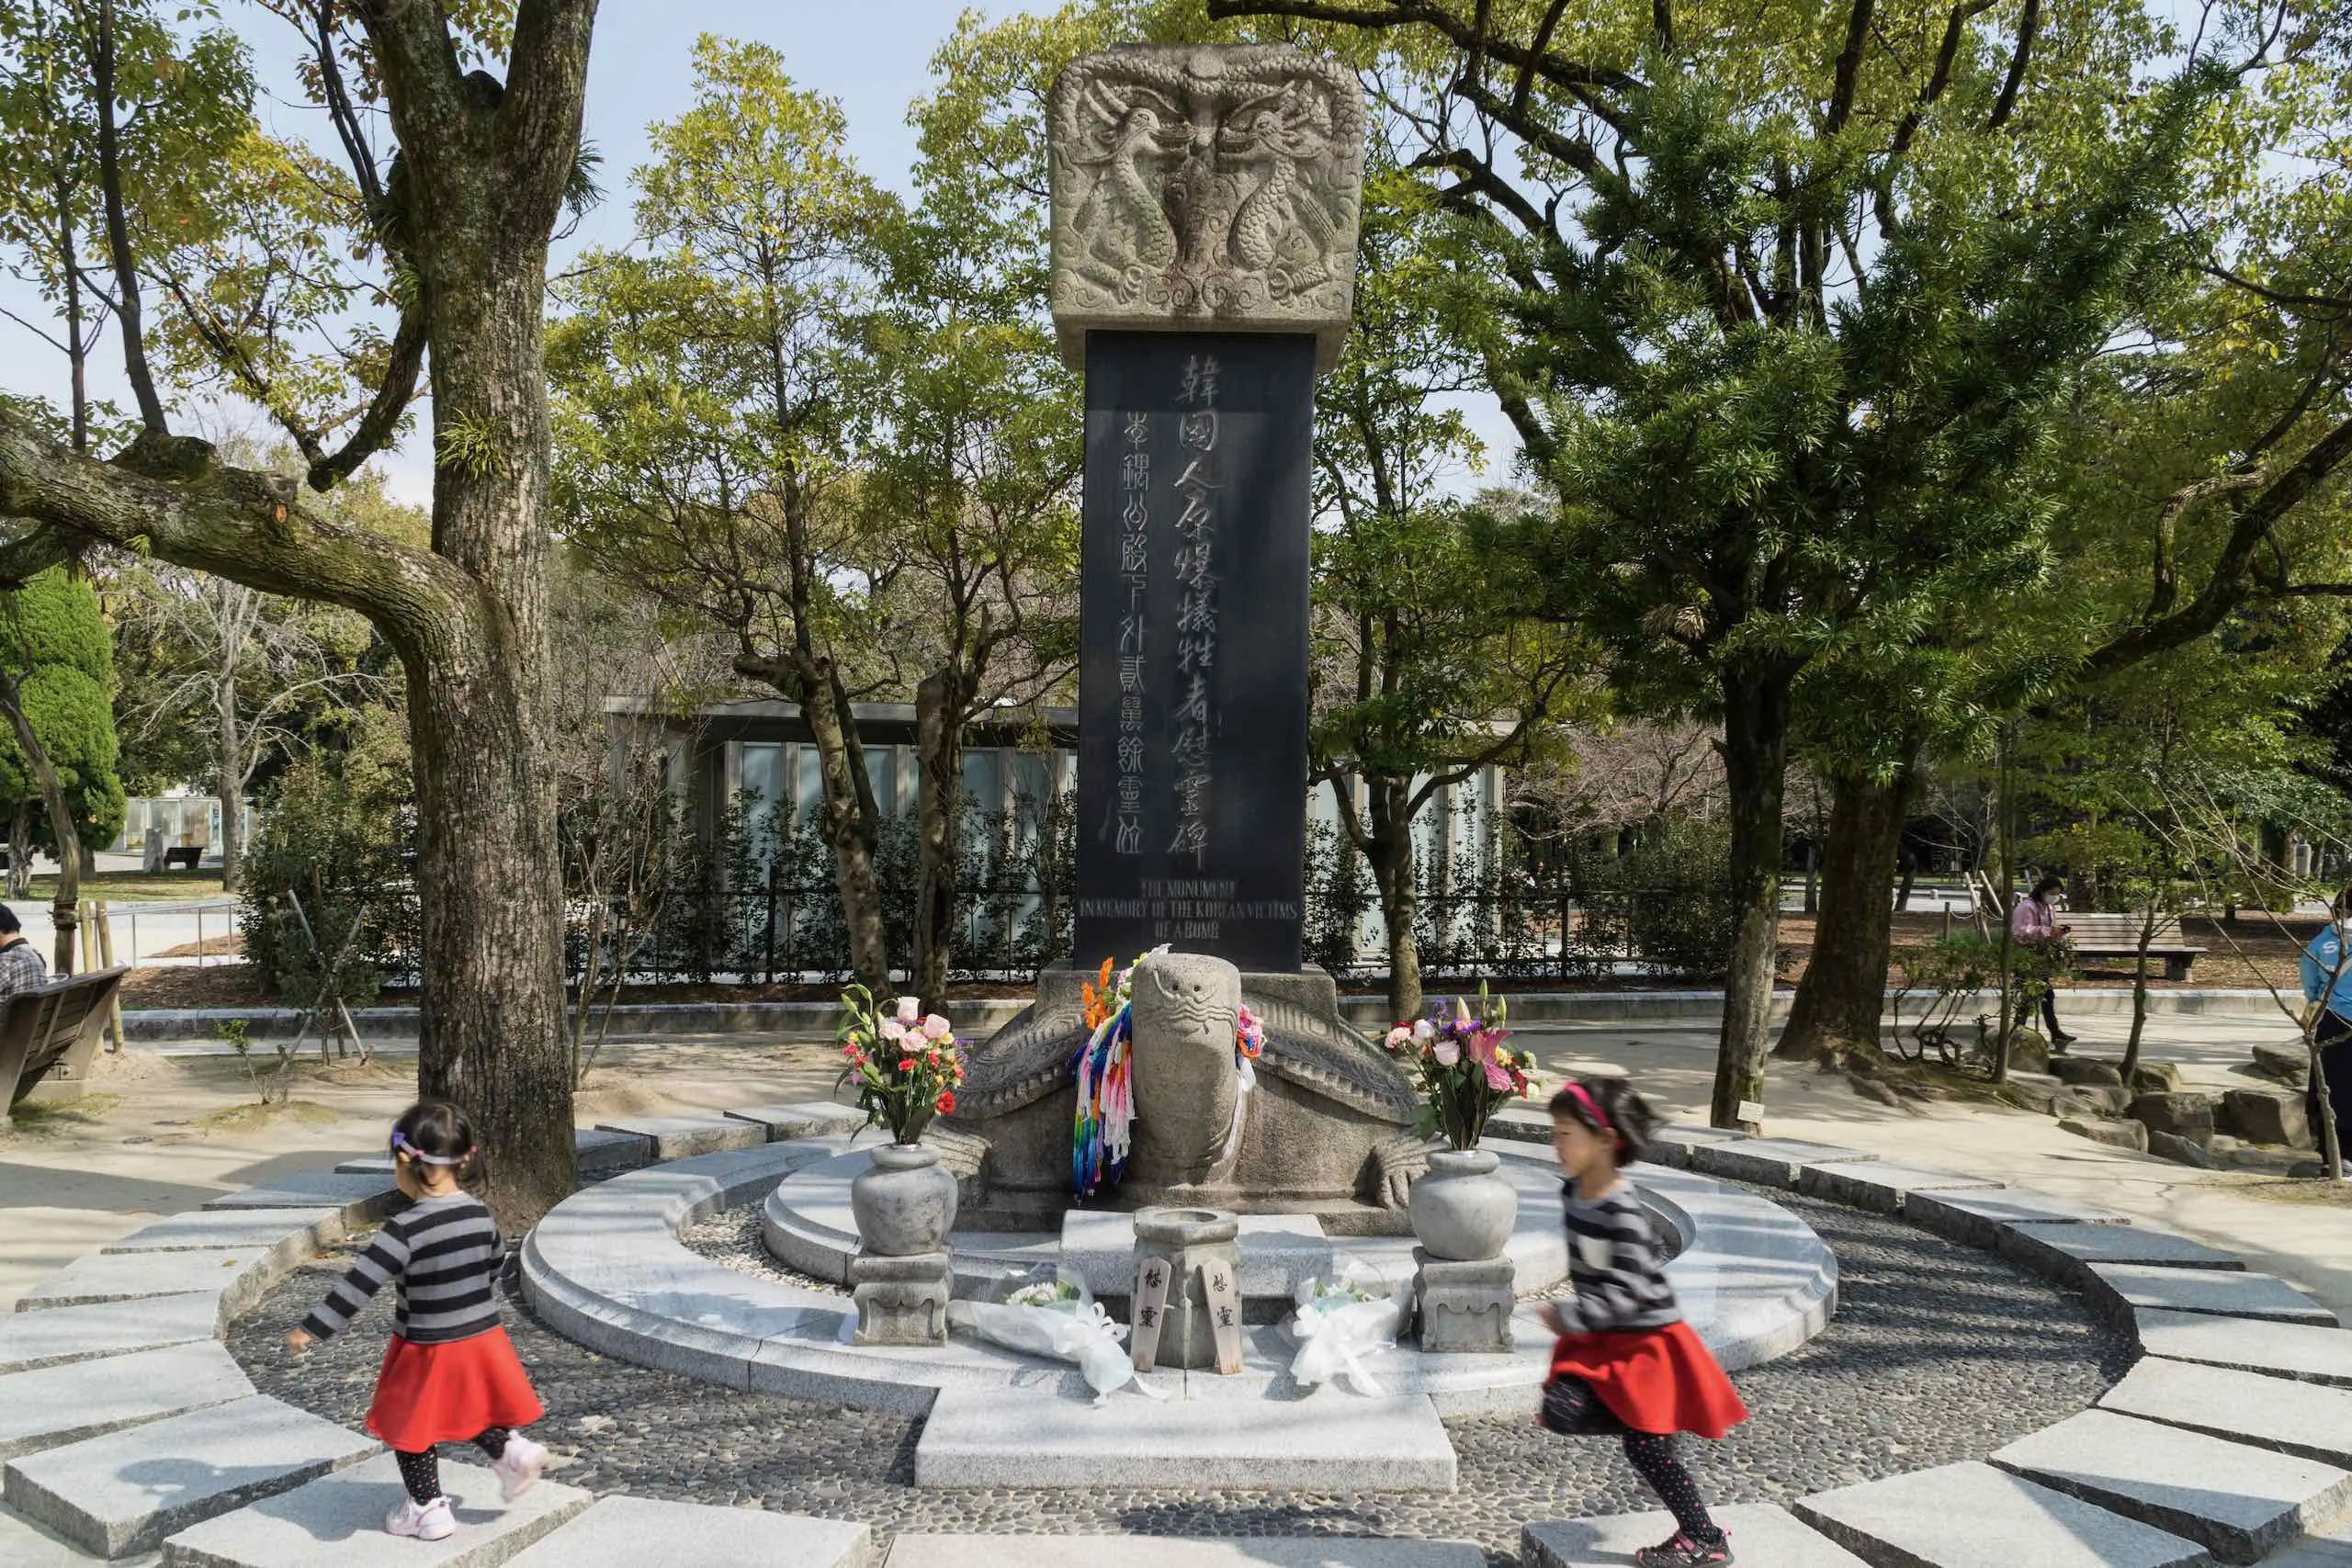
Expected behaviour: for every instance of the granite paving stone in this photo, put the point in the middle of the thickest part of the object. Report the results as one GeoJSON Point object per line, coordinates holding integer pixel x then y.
{"type": "Point", "coordinates": [645, 1532]}
{"type": "Point", "coordinates": [127, 1490]}
{"type": "Point", "coordinates": [812, 1119]}
{"type": "Point", "coordinates": [360, 1197]}
{"type": "Point", "coordinates": [81, 1399]}
{"type": "Point", "coordinates": [2228, 1292]}
{"type": "Point", "coordinates": [1972, 1516]}
{"type": "Point", "coordinates": [2283, 1349]}
{"type": "Point", "coordinates": [1673, 1147]}
{"type": "Point", "coordinates": [2064, 1252]}
{"type": "Point", "coordinates": [600, 1154]}
{"type": "Point", "coordinates": [682, 1137]}
{"type": "Point", "coordinates": [126, 1276]}
{"type": "Point", "coordinates": [1759, 1533]}
{"type": "Point", "coordinates": [1881, 1186]}
{"type": "Point", "coordinates": [2235, 1498]}
{"type": "Point", "coordinates": [2294, 1417]}
{"type": "Point", "coordinates": [1329, 1441]}
{"type": "Point", "coordinates": [339, 1519]}
{"type": "Point", "coordinates": [1161, 1551]}
{"type": "Point", "coordinates": [1974, 1218]}
{"type": "Point", "coordinates": [1772, 1162]}
{"type": "Point", "coordinates": [200, 1229]}
{"type": "Point", "coordinates": [58, 1334]}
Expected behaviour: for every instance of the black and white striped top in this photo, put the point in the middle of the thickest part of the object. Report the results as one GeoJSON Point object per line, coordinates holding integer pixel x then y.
{"type": "Point", "coordinates": [1615, 1264]}
{"type": "Point", "coordinates": [446, 1254]}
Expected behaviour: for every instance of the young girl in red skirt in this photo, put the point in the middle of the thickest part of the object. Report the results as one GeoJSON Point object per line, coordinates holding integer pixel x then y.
{"type": "Point", "coordinates": [1625, 1364]}
{"type": "Point", "coordinates": [450, 1373]}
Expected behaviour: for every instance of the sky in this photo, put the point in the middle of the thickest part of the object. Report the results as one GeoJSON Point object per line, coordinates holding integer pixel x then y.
{"type": "Point", "coordinates": [873, 55]}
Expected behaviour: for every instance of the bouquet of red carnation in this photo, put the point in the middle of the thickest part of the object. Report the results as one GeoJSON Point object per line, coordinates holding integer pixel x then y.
{"type": "Point", "coordinates": [906, 1065]}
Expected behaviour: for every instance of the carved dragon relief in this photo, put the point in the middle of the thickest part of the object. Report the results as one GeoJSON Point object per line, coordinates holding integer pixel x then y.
{"type": "Point", "coordinates": [1205, 187]}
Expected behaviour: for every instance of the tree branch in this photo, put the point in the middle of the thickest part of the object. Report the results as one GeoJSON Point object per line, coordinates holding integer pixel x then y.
{"type": "Point", "coordinates": [2020, 58]}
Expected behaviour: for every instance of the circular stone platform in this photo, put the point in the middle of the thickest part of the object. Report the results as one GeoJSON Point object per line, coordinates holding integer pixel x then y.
{"type": "Point", "coordinates": [1939, 1352]}
{"type": "Point", "coordinates": [606, 1267]}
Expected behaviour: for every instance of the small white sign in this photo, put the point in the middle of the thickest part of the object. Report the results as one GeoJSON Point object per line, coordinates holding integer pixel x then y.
{"type": "Point", "coordinates": [1751, 1111]}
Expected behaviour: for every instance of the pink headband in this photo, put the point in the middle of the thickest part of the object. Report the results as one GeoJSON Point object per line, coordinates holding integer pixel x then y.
{"type": "Point", "coordinates": [402, 1146]}
{"type": "Point", "coordinates": [1584, 1098]}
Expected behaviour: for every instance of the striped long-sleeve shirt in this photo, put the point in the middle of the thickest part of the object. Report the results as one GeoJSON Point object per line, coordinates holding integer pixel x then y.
{"type": "Point", "coordinates": [1616, 1265]}
{"type": "Point", "coordinates": [446, 1254]}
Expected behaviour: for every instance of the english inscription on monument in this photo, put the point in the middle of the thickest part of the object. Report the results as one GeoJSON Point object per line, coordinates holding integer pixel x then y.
{"type": "Point", "coordinates": [1192, 764]}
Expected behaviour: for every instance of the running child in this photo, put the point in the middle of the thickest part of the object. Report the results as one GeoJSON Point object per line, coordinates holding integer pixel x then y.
{"type": "Point", "coordinates": [1625, 1364]}
{"type": "Point", "coordinates": [451, 1373]}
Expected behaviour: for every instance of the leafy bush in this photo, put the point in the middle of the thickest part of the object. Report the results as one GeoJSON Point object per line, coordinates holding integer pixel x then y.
{"type": "Point", "coordinates": [340, 834]}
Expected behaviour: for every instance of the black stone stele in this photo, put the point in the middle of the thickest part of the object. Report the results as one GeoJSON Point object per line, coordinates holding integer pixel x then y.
{"type": "Point", "coordinates": [1192, 748]}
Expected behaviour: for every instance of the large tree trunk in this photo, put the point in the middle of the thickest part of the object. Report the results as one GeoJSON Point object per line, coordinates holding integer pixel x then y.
{"type": "Point", "coordinates": [1756, 746]}
{"type": "Point", "coordinates": [233, 778]}
{"type": "Point", "coordinates": [489, 874]}
{"type": "Point", "coordinates": [852, 819]}
{"type": "Point", "coordinates": [939, 757]}
{"type": "Point", "coordinates": [1843, 992]}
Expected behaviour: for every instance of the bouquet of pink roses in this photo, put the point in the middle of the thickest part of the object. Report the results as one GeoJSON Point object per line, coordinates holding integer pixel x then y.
{"type": "Point", "coordinates": [906, 1067]}
{"type": "Point", "coordinates": [1463, 1068]}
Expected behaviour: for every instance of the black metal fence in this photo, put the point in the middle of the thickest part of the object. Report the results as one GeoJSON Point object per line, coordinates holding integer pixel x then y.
{"type": "Point", "coordinates": [757, 905]}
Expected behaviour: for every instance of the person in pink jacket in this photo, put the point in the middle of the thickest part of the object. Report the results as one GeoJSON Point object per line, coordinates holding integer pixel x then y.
{"type": "Point", "coordinates": [2033, 922]}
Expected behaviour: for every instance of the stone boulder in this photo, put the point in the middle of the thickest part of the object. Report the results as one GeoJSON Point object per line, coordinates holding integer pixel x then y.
{"type": "Point", "coordinates": [2081, 1070]}
{"type": "Point", "coordinates": [2114, 1133]}
{"type": "Point", "coordinates": [2155, 1078]}
{"type": "Point", "coordinates": [2029, 1052]}
{"type": "Point", "coordinates": [2288, 1064]}
{"type": "Point", "coordinates": [2093, 1100]}
{"type": "Point", "coordinates": [2187, 1116]}
{"type": "Point", "coordinates": [2180, 1151]}
{"type": "Point", "coordinates": [2266, 1116]}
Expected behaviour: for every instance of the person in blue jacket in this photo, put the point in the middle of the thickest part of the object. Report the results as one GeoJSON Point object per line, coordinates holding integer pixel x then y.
{"type": "Point", "coordinates": [2327, 982]}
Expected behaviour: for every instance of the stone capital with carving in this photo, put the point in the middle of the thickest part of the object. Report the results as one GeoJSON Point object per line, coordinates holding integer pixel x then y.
{"type": "Point", "coordinates": [1206, 188]}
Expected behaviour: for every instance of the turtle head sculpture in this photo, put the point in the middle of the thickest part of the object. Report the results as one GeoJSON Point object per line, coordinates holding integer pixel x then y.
{"type": "Point", "coordinates": [1187, 1083]}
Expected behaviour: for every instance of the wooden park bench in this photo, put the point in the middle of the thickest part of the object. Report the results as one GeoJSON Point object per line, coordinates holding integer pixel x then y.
{"type": "Point", "coordinates": [49, 1035]}
{"type": "Point", "coordinates": [183, 854]}
{"type": "Point", "coordinates": [2107, 937]}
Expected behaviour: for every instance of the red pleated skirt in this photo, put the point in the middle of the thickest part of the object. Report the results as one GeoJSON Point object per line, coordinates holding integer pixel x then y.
{"type": "Point", "coordinates": [1654, 1380]}
{"type": "Point", "coordinates": [449, 1394]}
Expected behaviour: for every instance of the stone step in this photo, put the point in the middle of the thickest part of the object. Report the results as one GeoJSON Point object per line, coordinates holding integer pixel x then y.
{"type": "Point", "coordinates": [126, 1276]}
{"type": "Point", "coordinates": [82, 1399]}
{"type": "Point", "coordinates": [641, 1532]}
{"type": "Point", "coordinates": [1775, 1162]}
{"type": "Point", "coordinates": [124, 1492]}
{"type": "Point", "coordinates": [682, 1137]}
{"type": "Point", "coordinates": [812, 1119]}
{"type": "Point", "coordinates": [2066, 1252]}
{"type": "Point", "coordinates": [1759, 1533]}
{"type": "Point", "coordinates": [1975, 1219]}
{"type": "Point", "coordinates": [339, 1520]}
{"type": "Point", "coordinates": [1673, 1147]}
{"type": "Point", "coordinates": [1882, 1186]}
{"type": "Point", "coordinates": [2282, 1349]}
{"type": "Point", "coordinates": [1972, 1516]}
{"type": "Point", "coordinates": [288, 1233]}
{"type": "Point", "coordinates": [59, 1335]}
{"type": "Point", "coordinates": [2330, 1546]}
{"type": "Point", "coordinates": [2293, 1417]}
{"type": "Point", "coordinates": [2127, 1288]}
{"type": "Point", "coordinates": [1330, 1441]}
{"type": "Point", "coordinates": [360, 1198]}
{"type": "Point", "coordinates": [2239, 1500]}
{"type": "Point", "coordinates": [1178, 1551]}
{"type": "Point", "coordinates": [600, 1153]}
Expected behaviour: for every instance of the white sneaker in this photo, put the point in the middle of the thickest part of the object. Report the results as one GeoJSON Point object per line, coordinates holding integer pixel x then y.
{"type": "Point", "coordinates": [518, 1467]}
{"type": "Point", "coordinates": [426, 1522]}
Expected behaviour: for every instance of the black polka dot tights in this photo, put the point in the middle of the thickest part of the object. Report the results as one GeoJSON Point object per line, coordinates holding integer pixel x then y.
{"type": "Point", "coordinates": [1652, 1454]}
{"type": "Point", "coordinates": [421, 1471]}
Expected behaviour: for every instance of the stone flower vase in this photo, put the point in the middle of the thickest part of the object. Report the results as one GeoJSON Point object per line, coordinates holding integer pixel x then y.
{"type": "Point", "coordinates": [1464, 1212]}
{"type": "Point", "coordinates": [905, 1201]}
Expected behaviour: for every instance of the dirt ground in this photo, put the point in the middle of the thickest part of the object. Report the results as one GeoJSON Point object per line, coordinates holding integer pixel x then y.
{"type": "Point", "coordinates": [156, 1135]}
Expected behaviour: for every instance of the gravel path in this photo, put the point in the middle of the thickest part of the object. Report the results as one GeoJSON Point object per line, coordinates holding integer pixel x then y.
{"type": "Point", "coordinates": [1938, 1353]}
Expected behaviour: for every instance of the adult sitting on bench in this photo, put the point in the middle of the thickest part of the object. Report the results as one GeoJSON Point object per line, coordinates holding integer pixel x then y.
{"type": "Point", "coordinates": [21, 967]}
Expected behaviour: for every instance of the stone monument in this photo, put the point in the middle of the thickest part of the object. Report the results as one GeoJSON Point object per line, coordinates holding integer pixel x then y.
{"type": "Point", "coordinates": [1205, 209]}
